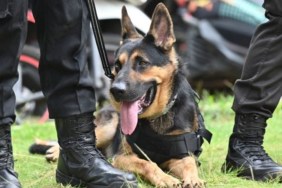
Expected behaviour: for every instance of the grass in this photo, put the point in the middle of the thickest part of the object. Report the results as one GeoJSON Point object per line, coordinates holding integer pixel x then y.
{"type": "Point", "coordinates": [35, 172]}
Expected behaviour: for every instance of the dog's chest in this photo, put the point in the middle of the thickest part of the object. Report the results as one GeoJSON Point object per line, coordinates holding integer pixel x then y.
{"type": "Point", "coordinates": [163, 123]}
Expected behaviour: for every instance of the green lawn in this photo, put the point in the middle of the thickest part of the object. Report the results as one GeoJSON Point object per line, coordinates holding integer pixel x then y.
{"type": "Point", "coordinates": [35, 172]}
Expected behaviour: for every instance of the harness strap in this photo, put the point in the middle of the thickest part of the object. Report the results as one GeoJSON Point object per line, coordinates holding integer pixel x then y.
{"type": "Point", "coordinates": [202, 131]}
{"type": "Point", "coordinates": [160, 148]}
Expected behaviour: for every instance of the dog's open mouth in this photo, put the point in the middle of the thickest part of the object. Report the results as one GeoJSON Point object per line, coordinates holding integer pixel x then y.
{"type": "Point", "coordinates": [146, 100]}
{"type": "Point", "coordinates": [131, 110]}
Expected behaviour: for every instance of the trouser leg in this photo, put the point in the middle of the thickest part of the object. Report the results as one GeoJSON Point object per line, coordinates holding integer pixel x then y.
{"type": "Point", "coordinates": [259, 89]}
{"type": "Point", "coordinates": [12, 34]}
{"type": "Point", "coordinates": [63, 31]}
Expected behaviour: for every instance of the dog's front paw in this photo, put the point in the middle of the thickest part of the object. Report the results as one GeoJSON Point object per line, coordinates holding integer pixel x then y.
{"type": "Point", "coordinates": [167, 181]}
{"type": "Point", "coordinates": [193, 182]}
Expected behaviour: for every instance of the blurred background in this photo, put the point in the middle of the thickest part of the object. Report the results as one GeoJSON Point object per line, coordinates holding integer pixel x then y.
{"type": "Point", "coordinates": [212, 41]}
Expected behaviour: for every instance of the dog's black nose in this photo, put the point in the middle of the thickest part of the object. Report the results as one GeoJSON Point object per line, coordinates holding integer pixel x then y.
{"type": "Point", "coordinates": [118, 89]}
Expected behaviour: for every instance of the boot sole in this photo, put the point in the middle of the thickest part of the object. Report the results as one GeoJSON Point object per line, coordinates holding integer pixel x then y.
{"type": "Point", "coordinates": [247, 173]}
{"type": "Point", "coordinates": [68, 180]}
{"type": "Point", "coordinates": [75, 182]}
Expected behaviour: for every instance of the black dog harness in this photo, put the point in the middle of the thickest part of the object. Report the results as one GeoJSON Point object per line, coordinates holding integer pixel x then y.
{"type": "Point", "coordinates": [160, 148]}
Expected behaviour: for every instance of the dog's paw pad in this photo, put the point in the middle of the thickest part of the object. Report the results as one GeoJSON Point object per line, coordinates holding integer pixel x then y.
{"type": "Point", "coordinates": [194, 184]}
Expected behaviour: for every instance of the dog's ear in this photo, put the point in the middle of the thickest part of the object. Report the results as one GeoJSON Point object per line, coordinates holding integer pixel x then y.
{"type": "Point", "coordinates": [162, 28]}
{"type": "Point", "coordinates": [128, 30]}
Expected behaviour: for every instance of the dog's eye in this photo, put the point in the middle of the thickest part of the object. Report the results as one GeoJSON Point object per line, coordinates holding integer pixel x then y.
{"type": "Point", "coordinates": [143, 63]}
{"type": "Point", "coordinates": [117, 66]}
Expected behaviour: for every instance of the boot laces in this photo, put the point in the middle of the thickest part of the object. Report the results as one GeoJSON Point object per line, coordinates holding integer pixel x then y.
{"type": "Point", "coordinates": [6, 157]}
{"type": "Point", "coordinates": [252, 130]}
{"type": "Point", "coordinates": [84, 146]}
{"type": "Point", "coordinates": [90, 148]}
{"type": "Point", "coordinates": [253, 145]}
{"type": "Point", "coordinates": [255, 150]}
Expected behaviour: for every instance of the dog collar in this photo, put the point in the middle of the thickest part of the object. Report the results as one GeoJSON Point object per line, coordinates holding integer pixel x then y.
{"type": "Point", "coordinates": [170, 104]}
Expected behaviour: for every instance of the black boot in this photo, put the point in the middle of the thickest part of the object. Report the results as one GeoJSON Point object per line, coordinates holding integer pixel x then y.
{"type": "Point", "coordinates": [8, 177]}
{"type": "Point", "coordinates": [246, 154]}
{"type": "Point", "coordinates": [80, 163]}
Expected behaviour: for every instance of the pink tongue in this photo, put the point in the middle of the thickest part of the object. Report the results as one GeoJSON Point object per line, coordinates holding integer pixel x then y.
{"type": "Point", "coordinates": [129, 116]}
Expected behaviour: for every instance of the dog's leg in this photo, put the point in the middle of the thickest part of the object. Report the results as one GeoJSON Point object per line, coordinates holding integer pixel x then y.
{"type": "Point", "coordinates": [185, 169]}
{"type": "Point", "coordinates": [106, 127]}
{"type": "Point", "coordinates": [146, 169]}
{"type": "Point", "coordinates": [106, 122]}
{"type": "Point", "coordinates": [50, 148]}
{"type": "Point", "coordinates": [52, 154]}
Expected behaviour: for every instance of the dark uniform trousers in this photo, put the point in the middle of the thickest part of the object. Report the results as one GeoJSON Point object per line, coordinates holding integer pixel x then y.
{"type": "Point", "coordinates": [63, 28]}
{"type": "Point", "coordinates": [260, 87]}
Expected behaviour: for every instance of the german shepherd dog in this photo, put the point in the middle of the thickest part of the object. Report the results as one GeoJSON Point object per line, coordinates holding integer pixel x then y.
{"type": "Point", "coordinates": [155, 108]}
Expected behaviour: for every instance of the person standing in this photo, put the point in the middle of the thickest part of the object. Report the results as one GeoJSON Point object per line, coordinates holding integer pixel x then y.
{"type": "Point", "coordinates": [256, 95]}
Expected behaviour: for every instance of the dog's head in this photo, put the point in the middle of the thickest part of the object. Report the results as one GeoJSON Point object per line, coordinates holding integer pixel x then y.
{"type": "Point", "coordinates": [144, 69]}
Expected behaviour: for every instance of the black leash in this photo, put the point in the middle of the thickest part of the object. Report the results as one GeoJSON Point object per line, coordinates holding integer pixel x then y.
{"type": "Point", "coordinates": [99, 38]}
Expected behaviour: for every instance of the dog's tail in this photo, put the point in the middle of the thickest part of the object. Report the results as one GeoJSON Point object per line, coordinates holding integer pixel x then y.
{"type": "Point", "coordinates": [108, 136]}
{"type": "Point", "coordinates": [41, 146]}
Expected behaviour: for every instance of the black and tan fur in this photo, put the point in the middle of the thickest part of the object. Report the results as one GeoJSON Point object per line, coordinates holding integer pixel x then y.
{"type": "Point", "coordinates": [151, 61]}
{"type": "Point", "coordinates": [149, 65]}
